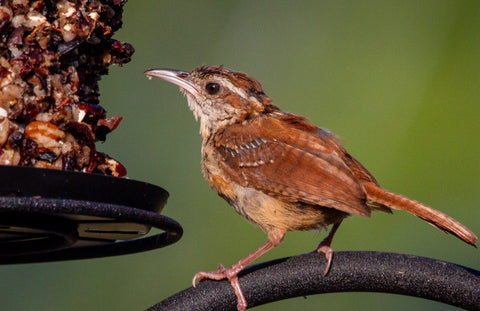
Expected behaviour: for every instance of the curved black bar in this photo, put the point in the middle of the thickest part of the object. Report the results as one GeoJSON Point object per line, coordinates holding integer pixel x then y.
{"type": "Point", "coordinates": [45, 206]}
{"type": "Point", "coordinates": [351, 271]}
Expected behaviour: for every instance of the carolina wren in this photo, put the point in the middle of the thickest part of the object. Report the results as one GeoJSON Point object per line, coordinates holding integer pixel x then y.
{"type": "Point", "coordinates": [279, 171]}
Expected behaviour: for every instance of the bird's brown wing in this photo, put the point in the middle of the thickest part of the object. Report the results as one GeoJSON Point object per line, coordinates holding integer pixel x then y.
{"type": "Point", "coordinates": [291, 160]}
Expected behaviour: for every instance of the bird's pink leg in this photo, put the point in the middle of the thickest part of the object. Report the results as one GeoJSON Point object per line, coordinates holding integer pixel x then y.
{"type": "Point", "coordinates": [274, 238]}
{"type": "Point", "coordinates": [324, 247]}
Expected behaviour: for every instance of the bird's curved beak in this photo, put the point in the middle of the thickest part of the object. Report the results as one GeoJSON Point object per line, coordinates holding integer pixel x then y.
{"type": "Point", "coordinates": [174, 76]}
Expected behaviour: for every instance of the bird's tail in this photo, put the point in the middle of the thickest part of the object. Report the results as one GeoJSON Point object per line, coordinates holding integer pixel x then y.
{"type": "Point", "coordinates": [432, 216]}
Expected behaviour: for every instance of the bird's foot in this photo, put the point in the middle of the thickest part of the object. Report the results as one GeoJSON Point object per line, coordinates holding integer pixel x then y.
{"type": "Point", "coordinates": [324, 247]}
{"type": "Point", "coordinates": [223, 273]}
{"type": "Point", "coordinates": [328, 251]}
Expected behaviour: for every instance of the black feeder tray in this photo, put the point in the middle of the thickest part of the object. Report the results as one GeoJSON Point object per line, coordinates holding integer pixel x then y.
{"type": "Point", "coordinates": [52, 215]}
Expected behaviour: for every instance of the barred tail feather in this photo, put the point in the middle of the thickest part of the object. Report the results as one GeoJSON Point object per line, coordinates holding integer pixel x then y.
{"type": "Point", "coordinates": [434, 217]}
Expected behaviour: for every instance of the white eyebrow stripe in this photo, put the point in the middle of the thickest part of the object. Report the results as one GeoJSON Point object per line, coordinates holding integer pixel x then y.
{"type": "Point", "coordinates": [229, 85]}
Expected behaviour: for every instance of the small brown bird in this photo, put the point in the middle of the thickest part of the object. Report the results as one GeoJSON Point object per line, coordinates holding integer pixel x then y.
{"type": "Point", "coordinates": [279, 171]}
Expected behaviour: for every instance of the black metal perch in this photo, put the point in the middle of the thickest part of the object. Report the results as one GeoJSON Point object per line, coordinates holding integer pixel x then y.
{"type": "Point", "coordinates": [351, 272]}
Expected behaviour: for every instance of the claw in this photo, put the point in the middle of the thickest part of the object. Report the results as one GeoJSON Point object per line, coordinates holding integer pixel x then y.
{"type": "Point", "coordinates": [223, 273]}
{"type": "Point", "coordinates": [328, 251]}
{"type": "Point", "coordinates": [218, 275]}
{"type": "Point", "coordinates": [195, 279]}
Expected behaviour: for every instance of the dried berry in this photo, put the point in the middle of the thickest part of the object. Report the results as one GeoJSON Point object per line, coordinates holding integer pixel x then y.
{"type": "Point", "coordinates": [4, 72]}
{"type": "Point", "coordinates": [105, 126]}
{"type": "Point", "coordinates": [109, 166]}
{"type": "Point", "coordinates": [68, 162]}
{"type": "Point", "coordinates": [65, 47]}
{"type": "Point", "coordinates": [47, 155]}
{"type": "Point", "coordinates": [30, 111]}
{"type": "Point", "coordinates": [29, 150]}
{"type": "Point", "coordinates": [15, 140]}
{"type": "Point", "coordinates": [83, 134]}
{"type": "Point", "coordinates": [16, 38]}
{"type": "Point", "coordinates": [93, 110]}
{"type": "Point", "coordinates": [5, 24]}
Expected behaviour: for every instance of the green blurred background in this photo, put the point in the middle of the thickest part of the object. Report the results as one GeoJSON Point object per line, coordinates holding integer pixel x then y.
{"type": "Point", "coordinates": [399, 81]}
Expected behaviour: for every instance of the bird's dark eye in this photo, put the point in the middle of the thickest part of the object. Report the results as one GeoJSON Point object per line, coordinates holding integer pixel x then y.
{"type": "Point", "coordinates": [212, 88]}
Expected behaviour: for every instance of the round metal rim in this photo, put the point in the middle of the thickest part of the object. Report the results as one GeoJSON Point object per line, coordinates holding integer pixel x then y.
{"type": "Point", "coordinates": [172, 229]}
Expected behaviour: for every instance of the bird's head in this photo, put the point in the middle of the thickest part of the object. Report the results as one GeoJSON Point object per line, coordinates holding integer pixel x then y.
{"type": "Point", "coordinates": [218, 96]}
